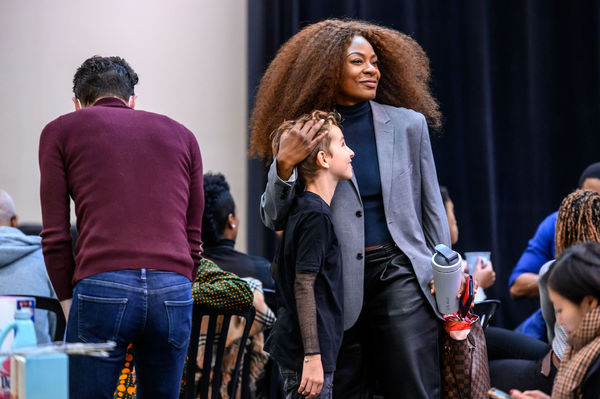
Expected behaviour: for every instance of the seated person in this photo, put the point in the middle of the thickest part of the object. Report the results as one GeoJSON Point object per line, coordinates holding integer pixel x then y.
{"type": "Point", "coordinates": [574, 289]}
{"type": "Point", "coordinates": [483, 274]}
{"type": "Point", "coordinates": [578, 221]}
{"type": "Point", "coordinates": [22, 269]}
{"type": "Point", "coordinates": [523, 281]}
{"type": "Point", "coordinates": [219, 230]}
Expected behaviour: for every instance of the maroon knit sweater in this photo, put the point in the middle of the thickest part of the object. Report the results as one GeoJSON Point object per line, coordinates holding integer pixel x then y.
{"type": "Point", "coordinates": [136, 180]}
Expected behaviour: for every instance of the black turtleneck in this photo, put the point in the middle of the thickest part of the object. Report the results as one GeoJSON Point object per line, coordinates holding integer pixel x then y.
{"type": "Point", "coordinates": [359, 133]}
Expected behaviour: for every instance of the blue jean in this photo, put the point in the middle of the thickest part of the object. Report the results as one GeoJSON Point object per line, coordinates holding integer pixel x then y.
{"type": "Point", "coordinates": [150, 308]}
{"type": "Point", "coordinates": [291, 383]}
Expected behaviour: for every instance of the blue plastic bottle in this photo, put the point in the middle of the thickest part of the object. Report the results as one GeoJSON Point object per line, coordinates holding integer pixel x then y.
{"type": "Point", "coordinates": [25, 336]}
{"type": "Point", "coordinates": [24, 330]}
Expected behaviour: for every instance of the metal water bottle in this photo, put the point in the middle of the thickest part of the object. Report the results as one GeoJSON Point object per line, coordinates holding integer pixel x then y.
{"type": "Point", "coordinates": [447, 276]}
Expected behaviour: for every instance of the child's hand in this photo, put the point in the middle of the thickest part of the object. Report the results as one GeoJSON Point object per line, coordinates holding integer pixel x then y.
{"type": "Point", "coordinates": [312, 377]}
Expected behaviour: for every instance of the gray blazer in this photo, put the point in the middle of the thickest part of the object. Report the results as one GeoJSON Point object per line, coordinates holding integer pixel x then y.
{"type": "Point", "coordinates": [411, 199]}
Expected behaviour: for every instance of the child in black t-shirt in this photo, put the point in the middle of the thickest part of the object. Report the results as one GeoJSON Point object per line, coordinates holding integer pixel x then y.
{"type": "Point", "coordinates": [308, 268]}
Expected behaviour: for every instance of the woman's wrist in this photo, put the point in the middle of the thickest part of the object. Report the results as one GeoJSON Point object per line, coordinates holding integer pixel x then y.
{"type": "Point", "coordinates": [284, 170]}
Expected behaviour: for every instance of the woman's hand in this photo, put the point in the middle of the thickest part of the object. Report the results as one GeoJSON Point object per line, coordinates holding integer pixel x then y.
{"type": "Point", "coordinates": [296, 144]}
{"type": "Point", "coordinates": [463, 284]}
{"type": "Point", "coordinates": [515, 393]}
{"type": "Point", "coordinates": [312, 377]}
{"type": "Point", "coordinates": [484, 275]}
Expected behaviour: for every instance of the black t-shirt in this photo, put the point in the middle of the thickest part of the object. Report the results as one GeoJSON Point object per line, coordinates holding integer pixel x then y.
{"type": "Point", "coordinates": [309, 244]}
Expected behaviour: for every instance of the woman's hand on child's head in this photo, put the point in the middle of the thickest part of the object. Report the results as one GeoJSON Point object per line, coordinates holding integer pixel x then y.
{"type": "Point", "coordinates": [296, 144]}
{"type": "Point", "coordinates": [312, 377]}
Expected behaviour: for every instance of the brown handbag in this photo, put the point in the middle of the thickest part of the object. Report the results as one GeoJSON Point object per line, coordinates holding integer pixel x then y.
{"type": "Point", "coordinates": [465, 371]}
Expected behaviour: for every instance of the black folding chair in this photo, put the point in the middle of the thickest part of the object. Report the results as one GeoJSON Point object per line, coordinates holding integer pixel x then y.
{"type": "Point", "coordinates": [50, 305]}
{"type": "Point", "coordinates": [485, 310]}
{"type": "Point", "coordinates": [192, 389]}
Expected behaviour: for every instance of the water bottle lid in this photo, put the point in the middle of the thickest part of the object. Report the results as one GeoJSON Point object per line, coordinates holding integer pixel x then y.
{"type": "Point", "coordinates": [444, 256]}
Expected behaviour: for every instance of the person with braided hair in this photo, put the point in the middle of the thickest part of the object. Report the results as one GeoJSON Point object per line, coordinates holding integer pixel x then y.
{"type": "Point", "coordinates": [578, 221]}
{"type": "Point", "coordinates": [220, 226]}
{"type": "Point", "coordinates": [390, 215]}
{"type": "Point", "coordinates": [574, 289]}
{"type": "Point", "coordinates": [523, 281]}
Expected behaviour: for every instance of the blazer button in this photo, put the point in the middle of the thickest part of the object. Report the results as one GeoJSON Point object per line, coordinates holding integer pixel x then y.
{"type": "Point", "coordinates": [358, 214]}
{"type": "Point", "coordinates": [359, 256]}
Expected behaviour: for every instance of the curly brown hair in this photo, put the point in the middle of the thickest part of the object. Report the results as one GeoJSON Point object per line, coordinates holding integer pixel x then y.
{"type": "Point", "coordinates": [578, 220]}
{"type": "Point", "coordinates": [308, 169]}
{"type": "Point", "coordinates": [307, 70]}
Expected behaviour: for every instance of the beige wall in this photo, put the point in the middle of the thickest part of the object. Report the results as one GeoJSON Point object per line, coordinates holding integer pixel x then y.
{"type": "Point", "coordinates": [190, 56]}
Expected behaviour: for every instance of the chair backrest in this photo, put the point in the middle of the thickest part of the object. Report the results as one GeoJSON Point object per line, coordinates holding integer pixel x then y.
{"type": "Point", "coordinates": [205, 382]}
{"type": "Point", "coordinates": [51, 305]}
{"type": "Point", "coordinates": [485, 310]}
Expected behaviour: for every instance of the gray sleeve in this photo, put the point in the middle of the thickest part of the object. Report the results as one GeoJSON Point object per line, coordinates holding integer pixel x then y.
{"type": "Point", "coordinates": [557, 336]}
{"type": "Point", "coordinates": [435, 222]}
{"type": "Point", "coordinates": [276, 200]}
{"type": "Point", "coordinates": [545, 303]}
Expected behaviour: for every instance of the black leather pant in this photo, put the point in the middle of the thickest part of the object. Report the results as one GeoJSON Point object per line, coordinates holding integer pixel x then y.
{"type": "Point", "coordinates": [395, 340]}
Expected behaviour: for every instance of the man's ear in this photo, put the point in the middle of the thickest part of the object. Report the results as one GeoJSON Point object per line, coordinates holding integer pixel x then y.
{"type": "Point", "coordinates": [131, 102]}
{"type": "Point", "coordinates": [77, 103]}
{"type": "Point", "coordinates": [322, 160]}
{"type": "Point", "coordinates": [14, 221]}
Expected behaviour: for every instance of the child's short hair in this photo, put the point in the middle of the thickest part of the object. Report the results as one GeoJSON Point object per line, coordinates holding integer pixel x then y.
{"type": "Point", "coordinates": [308, 167]}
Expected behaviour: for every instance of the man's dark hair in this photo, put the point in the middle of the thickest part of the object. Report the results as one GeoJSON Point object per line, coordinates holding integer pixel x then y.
{"type": "Point", "coordinates": [576, 273]}
{"type": "Point", "coordinates": [591, 172]}
{"type": "Point", "coordinates": [218, 204]}
{"type": "Point", "coordinates": [104, 77]}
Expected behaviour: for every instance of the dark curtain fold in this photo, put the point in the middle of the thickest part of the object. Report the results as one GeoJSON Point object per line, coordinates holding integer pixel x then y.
{"type": "Point", "coordinates": [518, 86]}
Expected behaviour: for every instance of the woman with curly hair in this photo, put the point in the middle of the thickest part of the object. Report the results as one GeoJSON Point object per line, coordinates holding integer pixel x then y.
{"type": "Point", "coordinates": [390, 215]}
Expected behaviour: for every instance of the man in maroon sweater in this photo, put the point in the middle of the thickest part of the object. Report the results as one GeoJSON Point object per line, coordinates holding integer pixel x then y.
{"type": "Point", "coordinates": [136, 180]}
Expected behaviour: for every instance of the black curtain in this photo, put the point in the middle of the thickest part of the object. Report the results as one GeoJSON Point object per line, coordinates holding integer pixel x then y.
{"type": "Point", "coordinates": [518, 84]}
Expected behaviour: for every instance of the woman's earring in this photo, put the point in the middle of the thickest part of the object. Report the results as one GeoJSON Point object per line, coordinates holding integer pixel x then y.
{"type": "Point", "coordinates": [233, 226]}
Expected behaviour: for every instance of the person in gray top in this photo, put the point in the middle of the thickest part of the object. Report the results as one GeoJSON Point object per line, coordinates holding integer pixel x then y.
{"type": "Point", "coordinates": [22, 269]}
{"type": "Point", "coordinates": [390, 215]}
